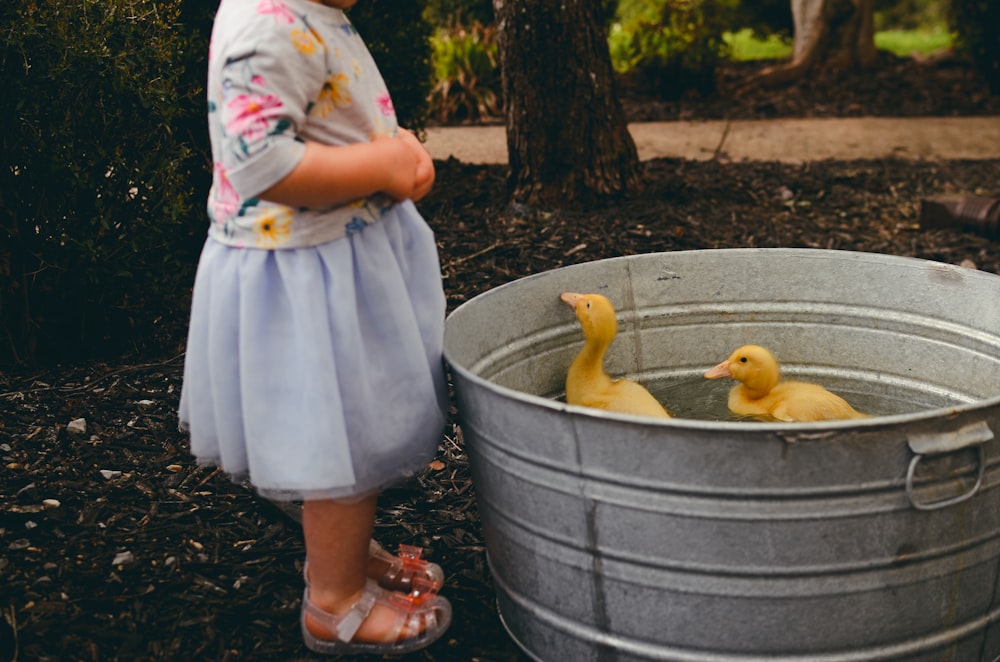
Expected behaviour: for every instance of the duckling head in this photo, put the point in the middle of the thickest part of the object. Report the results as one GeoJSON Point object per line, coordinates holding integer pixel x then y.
{"type": "Point", "coordinates": [595, 313]}
{"type": "Point", "coordinates": [751, 365]}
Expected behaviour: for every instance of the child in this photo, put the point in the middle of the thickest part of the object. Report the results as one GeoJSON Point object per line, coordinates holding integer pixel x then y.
{"type": "Point", "coordinates": [314, 361]}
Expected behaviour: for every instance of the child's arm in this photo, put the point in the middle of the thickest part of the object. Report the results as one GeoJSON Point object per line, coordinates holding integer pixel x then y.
{"type": "Point", "coordinates": [330, 175]}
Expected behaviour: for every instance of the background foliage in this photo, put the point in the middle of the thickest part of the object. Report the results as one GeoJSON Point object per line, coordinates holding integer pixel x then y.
{"type": "Point", "coordinates": [977, 27]}
{"type": "Point", "coordinates": [670, 47]}
{"type": "Point", "coordinates": [105, 149]}
{"type": "Point", "coordinates": [104, 166]}
{"type": "Point", "coordinates": [399, 38]}
{"type": "Point", "coordinates": [910, 14]}
{"type": "Point", "coordinates": [467, 85]}
{"type": "Point", "coordinates": [765, 17]}
{"type": "Point", "coordinates": [445, 13]}
{"type": "Point", "coordinates": [106, 162]}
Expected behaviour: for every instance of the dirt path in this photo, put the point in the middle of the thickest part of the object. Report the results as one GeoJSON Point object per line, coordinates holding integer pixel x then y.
{"type": "Point", "coordinates": [785, 140]}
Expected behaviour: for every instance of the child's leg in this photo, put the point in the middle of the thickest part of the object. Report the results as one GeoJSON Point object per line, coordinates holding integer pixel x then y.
{"type": "Point", "coordinates": [337, 535]}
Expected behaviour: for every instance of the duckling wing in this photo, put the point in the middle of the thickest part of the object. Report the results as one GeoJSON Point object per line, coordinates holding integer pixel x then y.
{"type": "Point", "coordinates": [632, 398]}
{"type": "Point", "coordinates": [802, 402]}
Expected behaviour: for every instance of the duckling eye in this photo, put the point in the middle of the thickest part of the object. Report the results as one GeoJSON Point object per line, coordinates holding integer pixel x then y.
{"type": "Point", "coordinates": [743, 359]}
{"type": "Point", "coordinates": [587, 304]}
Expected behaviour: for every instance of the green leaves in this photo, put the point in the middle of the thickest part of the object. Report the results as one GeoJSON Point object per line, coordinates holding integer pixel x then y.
{"type": "Point", "coordinates": [671, 46]}
{"type": "Point", "coordinates": [466, 74]}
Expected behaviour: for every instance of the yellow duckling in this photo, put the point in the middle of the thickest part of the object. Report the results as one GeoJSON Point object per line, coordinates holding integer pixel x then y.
{"type": "Point", "coordinates": [587, 383]}
{"type": "Point", "coordinates": [762, 394]}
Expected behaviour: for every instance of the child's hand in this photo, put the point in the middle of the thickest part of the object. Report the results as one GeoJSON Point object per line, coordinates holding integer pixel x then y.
{"type": "Point", "coordinates": [425, 165]}
{"type": "Point", "coordinates": [409, 167]}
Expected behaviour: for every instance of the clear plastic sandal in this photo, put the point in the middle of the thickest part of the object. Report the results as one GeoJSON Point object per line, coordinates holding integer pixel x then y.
{"type": "Point", "coordinates": [421, 611]}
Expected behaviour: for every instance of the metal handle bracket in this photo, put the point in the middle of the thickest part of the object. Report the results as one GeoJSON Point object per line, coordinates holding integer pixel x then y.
{"type": "Point", "coordinates": [938, 443]}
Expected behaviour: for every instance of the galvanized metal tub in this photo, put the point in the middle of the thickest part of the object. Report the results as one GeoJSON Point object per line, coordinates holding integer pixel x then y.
{"type": "Point", "coordinates": [613, 537]}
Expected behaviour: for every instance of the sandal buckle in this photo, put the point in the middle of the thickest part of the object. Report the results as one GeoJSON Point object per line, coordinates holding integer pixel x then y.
{"type": "Point", "coordinates": [410, 556]}
{"type": "Point", "coordinates": [421, 590]}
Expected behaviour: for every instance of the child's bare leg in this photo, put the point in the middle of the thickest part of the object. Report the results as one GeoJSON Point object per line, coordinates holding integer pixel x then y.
{"type": "Point", "coordinates": [337, 536]}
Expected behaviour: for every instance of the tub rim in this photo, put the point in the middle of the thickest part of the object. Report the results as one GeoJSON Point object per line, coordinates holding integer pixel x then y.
{"type": "Point", "coordinates": [819, 429]}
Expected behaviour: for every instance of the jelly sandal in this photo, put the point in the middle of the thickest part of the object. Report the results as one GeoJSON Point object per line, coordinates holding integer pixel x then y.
{"type": "Point", "coordinates": [422, 611]}
{"type": "Point", "coordinates": [401, 569]}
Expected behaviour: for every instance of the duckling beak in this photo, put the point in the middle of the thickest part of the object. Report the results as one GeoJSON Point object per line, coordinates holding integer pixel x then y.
{"type": "Point", "coordinates": [571, 298]}
{"type": "Point", "coordinates": [721, 370]}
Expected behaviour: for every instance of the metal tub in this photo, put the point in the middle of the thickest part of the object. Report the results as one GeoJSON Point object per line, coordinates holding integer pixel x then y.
{"type": "Point", "coordinates": [612, 537]}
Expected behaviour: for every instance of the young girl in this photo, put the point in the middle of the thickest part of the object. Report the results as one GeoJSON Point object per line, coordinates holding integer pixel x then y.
{"type": "Point", "coordinates": [314, 360]}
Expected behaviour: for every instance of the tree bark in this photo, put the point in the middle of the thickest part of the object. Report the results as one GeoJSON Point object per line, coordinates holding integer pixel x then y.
{"type": "Point", "coordinates": [830, 35]}
{"type": "Point", "coordinates": [568, 142]}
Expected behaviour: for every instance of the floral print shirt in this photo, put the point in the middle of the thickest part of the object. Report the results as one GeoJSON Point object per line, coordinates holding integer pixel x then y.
{"type": "Point", "coordinates": [282, 72]}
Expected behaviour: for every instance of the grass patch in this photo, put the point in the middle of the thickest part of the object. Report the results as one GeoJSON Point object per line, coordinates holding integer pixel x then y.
{"type": "Point", "coordinates": [907, 42]}
{"type": "Point", "coordinates": [746, 46]}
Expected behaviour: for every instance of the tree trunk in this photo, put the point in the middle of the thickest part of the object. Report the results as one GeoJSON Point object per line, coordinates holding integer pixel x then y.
{"type": "Point", "coordinates": [567, 140]}
{"type": "Point", "coordinates": [830, 35]}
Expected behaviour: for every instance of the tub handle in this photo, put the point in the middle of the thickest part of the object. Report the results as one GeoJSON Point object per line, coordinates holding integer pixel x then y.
{"type": "Point", "coordinates": [938, 443]}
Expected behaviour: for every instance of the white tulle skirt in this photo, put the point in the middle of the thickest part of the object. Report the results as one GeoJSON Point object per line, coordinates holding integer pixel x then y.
{"type": "Point", "coordinates": [317, 372]}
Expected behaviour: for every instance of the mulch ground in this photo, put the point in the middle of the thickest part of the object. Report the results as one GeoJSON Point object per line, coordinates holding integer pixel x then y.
{"type": "Point", "coordinates": [114, 545]}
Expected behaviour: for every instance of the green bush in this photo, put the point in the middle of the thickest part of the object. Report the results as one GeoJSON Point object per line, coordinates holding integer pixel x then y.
{"type": "Point", "coordinates": [105, 173]}
{"type": "Point", "coordinates": [399, 39]}
{"type": "Point", "coordinates": [976, 24]}
{"type": "Point", "coordinates": [107, 165]}
{"type": "Point", "coordinates": [467, 74]}
{"type": "Point", "coordinates": [670, 47]}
